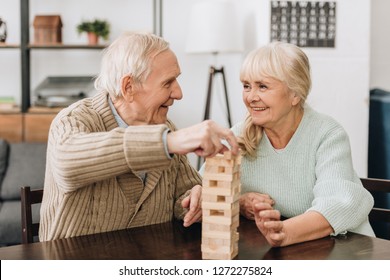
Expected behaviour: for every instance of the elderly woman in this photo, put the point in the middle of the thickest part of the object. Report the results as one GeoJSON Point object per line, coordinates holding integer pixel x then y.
{"type": "Point", "coordinates": [297, 162]}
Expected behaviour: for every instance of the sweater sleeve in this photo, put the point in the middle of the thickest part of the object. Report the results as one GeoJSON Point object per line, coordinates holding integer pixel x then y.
{"type": "Point", "coordinates": [338, 193]}
{"type": "Point", "coordinates": [187, 177]}
{"type": "Point", "coordinates": [81, 152]}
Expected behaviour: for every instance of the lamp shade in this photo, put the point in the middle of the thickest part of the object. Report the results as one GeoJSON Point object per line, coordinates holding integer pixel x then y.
{"type": "Point", "coordinates": [213, 28]}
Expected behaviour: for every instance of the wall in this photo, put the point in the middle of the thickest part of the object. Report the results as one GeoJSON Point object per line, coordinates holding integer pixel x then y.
{"type": "Point", "coordinates": [340, 75]}
{"type": "Point", "coordinates": [380, 45]}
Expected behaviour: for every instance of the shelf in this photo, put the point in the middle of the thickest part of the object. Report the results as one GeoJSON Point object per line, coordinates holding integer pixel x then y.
{"type": "Point", "coordinates": [9, 109]}
{"type": "Point", "coordinates": [44, 110]}
{"type": "Point", "coordinates": [62, 46]}
{"type": "Point", "coordinates": [9, 46]}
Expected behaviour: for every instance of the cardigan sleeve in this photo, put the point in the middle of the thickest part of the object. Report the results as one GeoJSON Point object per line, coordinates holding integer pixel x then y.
{"type": "Point", "coordinates": [82, 152]}
{"type": "Point", "coordinates": [186, 178]}
{"type": "Point", "coordinates": [338, 193]}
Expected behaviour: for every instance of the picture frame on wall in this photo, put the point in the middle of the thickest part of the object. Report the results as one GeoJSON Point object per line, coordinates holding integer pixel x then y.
{"type": "Point", "coordinates": [304, 23]}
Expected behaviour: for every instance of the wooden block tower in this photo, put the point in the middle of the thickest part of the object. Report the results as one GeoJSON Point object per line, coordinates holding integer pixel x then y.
{"type": "Point", "coordinates": [220, 207]}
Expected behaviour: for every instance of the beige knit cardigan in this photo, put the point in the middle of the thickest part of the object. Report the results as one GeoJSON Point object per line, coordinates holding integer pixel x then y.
{"type": "Point", "coordinates": [92, 179]}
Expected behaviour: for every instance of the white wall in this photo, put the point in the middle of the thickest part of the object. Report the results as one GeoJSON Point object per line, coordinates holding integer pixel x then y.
{"type": "Point", "coordinates": [340, 75]}
{"type": "Point", "coordinates": [380, 45]}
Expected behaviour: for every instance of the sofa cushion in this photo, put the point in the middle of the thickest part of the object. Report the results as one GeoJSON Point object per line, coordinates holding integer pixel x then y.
{"type": "Point", "coordinates": [11, 221]}
{"type": "Point", "coordinates": [3, 158]}
{"type": "Point", "coordinates": [26, 167]}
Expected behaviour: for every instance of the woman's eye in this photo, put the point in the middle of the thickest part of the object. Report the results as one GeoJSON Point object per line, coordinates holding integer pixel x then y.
{"type": "Point", "coordinates": [262, 86]}
{"type": "Point", "coordinates": [246, 87]}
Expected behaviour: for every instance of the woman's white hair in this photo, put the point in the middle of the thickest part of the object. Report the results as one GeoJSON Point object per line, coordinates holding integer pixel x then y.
{"type": "Point", "coordinates": [281, 61]}
{"type": "Point", "coordinates": [130, 54]}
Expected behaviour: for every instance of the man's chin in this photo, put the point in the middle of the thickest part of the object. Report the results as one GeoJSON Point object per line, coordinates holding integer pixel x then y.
{"type": "Point", "coordinates": [160, 121]}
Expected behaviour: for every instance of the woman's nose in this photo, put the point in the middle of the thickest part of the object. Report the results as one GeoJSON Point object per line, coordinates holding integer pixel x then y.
{"type": "Point", "coordinates": [253, 96]}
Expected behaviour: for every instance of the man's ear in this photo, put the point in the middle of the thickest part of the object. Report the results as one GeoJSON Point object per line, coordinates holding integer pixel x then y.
{"type": "Point", "coordinates": [127, 88]}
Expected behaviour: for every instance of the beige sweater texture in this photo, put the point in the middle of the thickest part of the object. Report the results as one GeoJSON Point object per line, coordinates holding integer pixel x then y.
{"type": "Point", "coordinates": [92, 179]}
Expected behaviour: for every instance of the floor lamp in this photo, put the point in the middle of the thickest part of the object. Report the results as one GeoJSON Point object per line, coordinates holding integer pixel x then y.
{"type": "Point", "coordinates": [212, 73]}
{"type": "Point", "coordinates": [213, 29]}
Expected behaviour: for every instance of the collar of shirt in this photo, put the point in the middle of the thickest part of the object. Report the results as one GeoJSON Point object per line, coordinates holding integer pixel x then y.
{"type": "Point", "coordinates": [119, 120]}
{"type": "Point", "coordinates": [122, 123]}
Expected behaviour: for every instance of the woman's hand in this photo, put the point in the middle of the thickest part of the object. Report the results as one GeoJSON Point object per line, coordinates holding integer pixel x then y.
{"type": "Point", "coordinates": [193, 204]}
{"type": "Point", "coordinates": [269, 223]}
{"type": "Point", "coordinates": [246, 203]}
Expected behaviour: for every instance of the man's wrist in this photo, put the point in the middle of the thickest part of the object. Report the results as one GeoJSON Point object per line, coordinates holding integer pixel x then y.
{"type": "Point", "coordinates": [165, 141]}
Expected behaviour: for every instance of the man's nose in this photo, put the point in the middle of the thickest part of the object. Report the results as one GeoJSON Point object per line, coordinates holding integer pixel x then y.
{"type": "Point", "coordinates": [176, 92]}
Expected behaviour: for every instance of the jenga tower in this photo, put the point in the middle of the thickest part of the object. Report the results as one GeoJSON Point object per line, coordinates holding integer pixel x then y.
{"type": "Point", "coordinates": [220, 207]}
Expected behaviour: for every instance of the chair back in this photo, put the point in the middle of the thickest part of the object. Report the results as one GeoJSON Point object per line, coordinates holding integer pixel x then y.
{"type": "Point", "coordinates": [28, 198]}
{"type": "Point", "coordinates": [380, 214]}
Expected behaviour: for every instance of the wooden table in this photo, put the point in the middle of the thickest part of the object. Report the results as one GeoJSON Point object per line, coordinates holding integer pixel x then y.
{"type": "Point", "coordinates": [171, 241]}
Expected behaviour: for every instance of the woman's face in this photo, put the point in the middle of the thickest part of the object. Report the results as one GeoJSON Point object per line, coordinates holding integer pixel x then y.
{"type": "Point", "coordinates": [269, 101]}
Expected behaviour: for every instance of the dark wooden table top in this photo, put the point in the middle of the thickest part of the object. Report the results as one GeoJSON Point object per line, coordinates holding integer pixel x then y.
{"type": "Point", "coordinates": [171, 241]}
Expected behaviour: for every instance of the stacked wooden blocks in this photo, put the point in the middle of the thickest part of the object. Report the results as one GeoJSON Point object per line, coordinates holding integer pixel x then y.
{"type": "Point", "coordinates": [220, 206]}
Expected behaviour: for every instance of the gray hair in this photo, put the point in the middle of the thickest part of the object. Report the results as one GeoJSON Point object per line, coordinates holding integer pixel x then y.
{"type": "Point", "coordinates": [282, 61]}
{"type": "Point", "coordinates": [130, 54]}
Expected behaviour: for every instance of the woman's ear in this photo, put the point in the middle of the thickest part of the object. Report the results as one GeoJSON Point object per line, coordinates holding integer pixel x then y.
{"type": "Point", "coordinates": [127, 88]}
{"type": "Point", "coordinates": [295, 99]}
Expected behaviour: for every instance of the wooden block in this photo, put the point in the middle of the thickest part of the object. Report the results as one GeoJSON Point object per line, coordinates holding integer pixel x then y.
{"type": "Point", "coordinates": [220, 220]}
{"type": "Point", "coordinates": [220, 256]}
{"type": "Point", "coordinates": [216, 249]}
{"type": "Point", "coordinates": [216, 205]}
{"type": "Point", "coordinates": [219, 162]}
{"type": "Point", "coordinates": [219, 177]}
{"type": "Point", "coordinates": [216, 169]}
{"type": "Point", "coordinates": [215, 227]}
{"type": "Point", "coordinates": [221, 198]}
{"type": "Point", "coordinates": [218, 191]}
{"type": "Point", "coordinates": [228, 155]}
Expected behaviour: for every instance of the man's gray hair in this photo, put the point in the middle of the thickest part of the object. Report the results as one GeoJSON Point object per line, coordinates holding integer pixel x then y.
{"type": "Point", "coordinates": [130, 54]}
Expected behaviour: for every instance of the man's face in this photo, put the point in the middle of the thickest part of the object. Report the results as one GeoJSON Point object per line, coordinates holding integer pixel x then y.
{"type": "Point", "coordinates": [152, 99]}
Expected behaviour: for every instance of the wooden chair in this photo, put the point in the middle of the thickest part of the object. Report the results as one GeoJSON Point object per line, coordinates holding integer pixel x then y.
{"type": "Point", "coordinates": [29, 197]}
{"type": "Point", "coordinates": [379, 215]}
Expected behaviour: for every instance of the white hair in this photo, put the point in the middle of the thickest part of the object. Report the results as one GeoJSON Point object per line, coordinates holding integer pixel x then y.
{"type": "Point", "coordinates": [130, 54]}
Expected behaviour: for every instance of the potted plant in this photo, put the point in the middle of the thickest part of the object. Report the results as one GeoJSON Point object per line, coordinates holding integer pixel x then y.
{"type": "Point", "coordinates": [95, 29]}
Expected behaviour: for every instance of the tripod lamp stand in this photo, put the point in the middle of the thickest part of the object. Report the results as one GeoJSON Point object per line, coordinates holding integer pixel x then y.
{"type": "Point", "coordinates": [213, 30]}
{"type": "Point", "coordinates": [212, 73]}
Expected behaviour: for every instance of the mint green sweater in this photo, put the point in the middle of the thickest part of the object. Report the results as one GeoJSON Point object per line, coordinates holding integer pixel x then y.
{"type": "Point", "coordinates": [313, 172]}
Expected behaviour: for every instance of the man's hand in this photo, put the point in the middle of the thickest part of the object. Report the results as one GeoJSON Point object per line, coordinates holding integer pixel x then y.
{"type": "Point", "coordinates": [204, 139]}
{"type": "Point", "coordinates": [193, 204]}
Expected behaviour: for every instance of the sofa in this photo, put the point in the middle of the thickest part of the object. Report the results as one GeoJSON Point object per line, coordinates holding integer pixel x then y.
{"type": "Point", "coordinates": [20, 164]}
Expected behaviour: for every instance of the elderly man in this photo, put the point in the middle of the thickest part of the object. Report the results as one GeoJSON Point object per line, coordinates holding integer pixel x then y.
{"type": "Point", "coordinates": [114, 160]}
